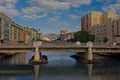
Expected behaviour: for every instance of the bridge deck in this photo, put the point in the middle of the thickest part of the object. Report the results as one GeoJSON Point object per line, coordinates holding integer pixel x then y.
{"type": "Point", "coordinates": [59, 48]}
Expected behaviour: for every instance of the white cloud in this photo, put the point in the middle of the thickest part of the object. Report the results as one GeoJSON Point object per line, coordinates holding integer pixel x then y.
{"type": "Point", "coordinates": [51, 20]}
{"type": "Point", "coordinates": [113, 7]}
{"type": "Point", "coordinates": [118, 1]}
{"type": "Point", "coordinates": [8, 7]}
{"type": "Point", "coordinates": [107, 1]}
{"type": "Point", "coordinates": [31, 17]}
{"type": "Point", "coordinates": [75, 17]}
{"type": "Point", "coordinates": [30, 10]}
{"type": "Point", "coordinates": [7, 1]}
{"type": "Point", "coordinates": [51, 4]}
{"type": "Point", "coordinates": [59, 5]}
{"type": "Point", "coordinates": [46, 6]}
{"type": "Point", "coordinates": [77, 3]}
{"type": "Point", "coordinates": [32, 13]}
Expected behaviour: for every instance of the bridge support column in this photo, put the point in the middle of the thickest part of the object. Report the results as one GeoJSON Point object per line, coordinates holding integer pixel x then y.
{"type": "Point", "coordinates": [89, 56]}
{"type": "Point", "coordinates": [37, 55]}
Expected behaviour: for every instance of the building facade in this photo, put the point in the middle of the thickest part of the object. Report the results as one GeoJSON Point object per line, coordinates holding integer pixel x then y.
{"type": "Point", "coordinates": [10, 31]}
{"type": "Point", "coordinates": [110, 30]}
{"type": "Point", "coordinates": [31, 35]}
{"type": "Point", "coordinates": [95, 18]}
{"type": "Point", "coordinates": [66, 35]}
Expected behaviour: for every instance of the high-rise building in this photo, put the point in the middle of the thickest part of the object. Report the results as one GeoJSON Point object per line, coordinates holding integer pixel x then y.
{"type": "Point", "coordinates": [105, 17]}
{"type": "Point", "coordinates": [95, 18]}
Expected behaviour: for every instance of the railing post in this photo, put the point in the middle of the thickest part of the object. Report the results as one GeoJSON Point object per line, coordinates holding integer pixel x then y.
{"type": "Point", "coordinates": [89, 52]}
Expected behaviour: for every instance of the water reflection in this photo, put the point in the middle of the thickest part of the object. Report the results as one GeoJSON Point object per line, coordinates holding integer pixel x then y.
{"type": "Point", "coordinates": [15, 59]}
{"type": "Point", "coordinates": [60, 67]}
{"type": "Point", "coordinates": [36, 71]}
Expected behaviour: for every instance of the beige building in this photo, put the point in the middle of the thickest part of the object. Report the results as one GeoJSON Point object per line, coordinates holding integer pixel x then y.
{"type": "Point", "coordinates": [5, 24]}
{"type": "Point", "coordinates": [10, 31]}
{"type": "Point", "coordinates": [31, 34]}
{"type": "Point", "coordinates": [95, 18]}
{"type": "Point", "coordinates": [14, 33]}
{"type": "Point", "coordinates": [111, 30]}
{"type": "Point", "coordinates": [66, 35]}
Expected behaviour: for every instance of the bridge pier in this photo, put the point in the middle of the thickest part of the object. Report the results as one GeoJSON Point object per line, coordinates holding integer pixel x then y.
{"type": "Point", "coordinates": [89, 53]}
{"type": "Point", "coordinates": [37, 55]}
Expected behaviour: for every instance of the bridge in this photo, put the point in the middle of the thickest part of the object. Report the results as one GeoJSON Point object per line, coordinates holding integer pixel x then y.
{"type": "Point", "coordinates": [88, 49]}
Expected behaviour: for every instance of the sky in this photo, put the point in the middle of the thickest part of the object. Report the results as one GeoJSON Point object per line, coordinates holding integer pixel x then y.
{"type": "Point", "coordinates": [51, 16]}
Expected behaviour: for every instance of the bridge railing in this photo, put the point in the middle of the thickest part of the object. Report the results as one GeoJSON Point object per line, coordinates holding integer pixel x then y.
{"type": "Point", "coordinates": [57, 44]}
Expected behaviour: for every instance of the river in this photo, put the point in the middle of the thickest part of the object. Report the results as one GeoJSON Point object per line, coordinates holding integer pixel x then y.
{"type": "Point", "coordinates": [60, 67]}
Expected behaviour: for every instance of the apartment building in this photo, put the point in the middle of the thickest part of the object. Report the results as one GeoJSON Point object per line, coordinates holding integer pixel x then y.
{"type": "Point", "coordinates": [110, 30]}
{"type": "Point", "coordinates": [95, 18]}
{"type": "Point", "coordinates": [17, 33]}
{"type": "Point", "coordinates": [10, 31]}
{"type": "Point", "coordinates": [31, 34]}
{"type": "Point", "coordinates": [5, 24]}
{"type": "Point", "coordinates": [66, 35]}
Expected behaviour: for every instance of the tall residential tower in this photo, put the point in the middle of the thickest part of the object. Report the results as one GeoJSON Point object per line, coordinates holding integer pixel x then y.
{"type": "Point", "coordinates": [95, 18]}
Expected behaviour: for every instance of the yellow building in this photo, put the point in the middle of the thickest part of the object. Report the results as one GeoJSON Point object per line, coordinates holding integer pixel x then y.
{"type": "Point", "coordinates": [105, 17]}
{"type": "Point", "coordinates": [95, 18]}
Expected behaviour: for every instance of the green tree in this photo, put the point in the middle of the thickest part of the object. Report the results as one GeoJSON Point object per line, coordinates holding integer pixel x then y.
{"type": "Point", "coordinates": [105, 39]}
{"type": "Point", "coordinates": [83, 36]}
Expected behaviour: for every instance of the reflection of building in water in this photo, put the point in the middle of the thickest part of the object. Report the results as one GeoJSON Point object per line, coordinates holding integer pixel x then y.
{"type": "Point", "coordinates": [106, 72]}
{"type": "Point", "coordinates": [5, 78]}
{"type": "Point", "coordinates": [13, 72]}
{"type": "Point", "coordinates": [17, 59]}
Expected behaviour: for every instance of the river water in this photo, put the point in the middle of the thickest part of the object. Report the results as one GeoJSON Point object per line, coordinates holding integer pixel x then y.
{"type": "Point", "coordinates": [60, 67]}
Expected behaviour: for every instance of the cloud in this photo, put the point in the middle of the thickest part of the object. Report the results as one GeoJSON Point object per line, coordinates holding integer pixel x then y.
{"type": "Point", "coordinates": [32, 13]}
{"type": "Point", "coordinates": [53, 19]}
{"type": "Point", "coordinates": [59, 5]}
{"type": "Point", "coordinates": [75, 17]}
{"type": "Point", "coordinates": [7, 1]}
{"type": "Point", "coordinates": [8, 7]}
{"type": "Point", "coordinates": [31, 17]}
{"type": "Point", "coordinates": [107, 1]}
{"type": "Point", "coordinates": [30, 10]}
{"type": "Point", "coordinates": [39, 8]}
{"type": "Point", "coordinates": [77, 3]}
{"type": "Point", "coordinates": [48, 6]}
{"type": "Point", "coordinates": [113, 7]}
{"type": "Point", "coordinates": [51, 4]}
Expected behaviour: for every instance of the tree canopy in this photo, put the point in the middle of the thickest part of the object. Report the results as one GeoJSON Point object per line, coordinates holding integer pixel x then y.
{"type": "Point", "coordinates": [83, 36]}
